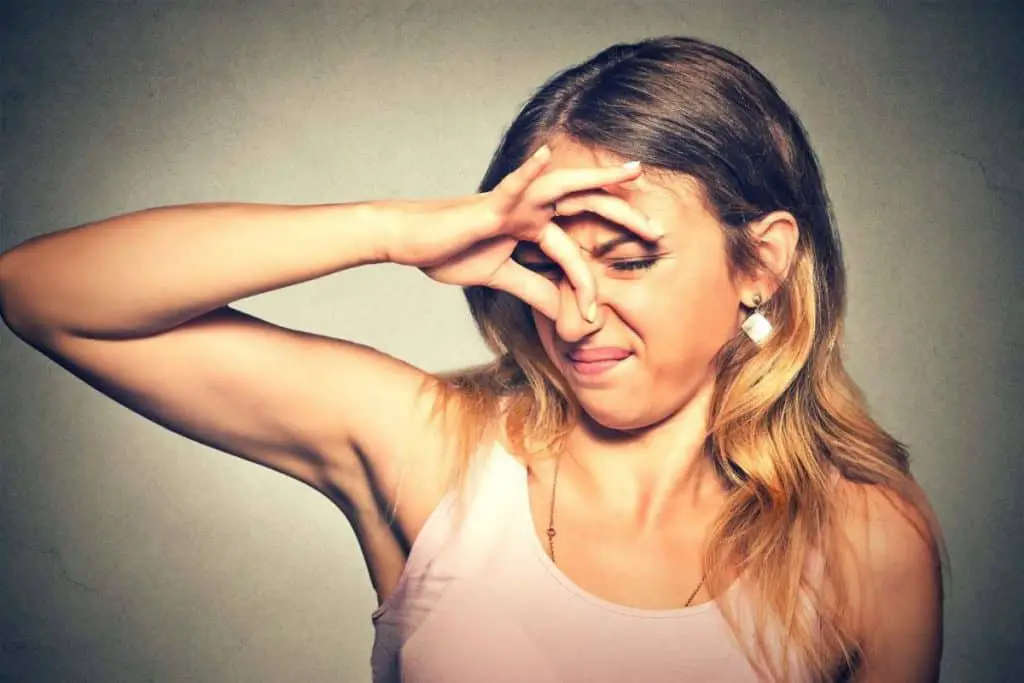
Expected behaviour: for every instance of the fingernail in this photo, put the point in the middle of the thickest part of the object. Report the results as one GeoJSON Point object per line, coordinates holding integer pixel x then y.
{"type": "Point", "coordinates": [592, 312]}
{"type": "Point", "coordinates": [631, 165]}
{"type": "Point", "coordinates": [655, 227]}
{"type": "Point", "coordinates": [542, 153]}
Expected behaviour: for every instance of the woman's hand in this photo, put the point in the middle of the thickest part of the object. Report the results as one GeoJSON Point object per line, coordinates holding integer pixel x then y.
{"type": "Point", "coordinates": [469, 241]}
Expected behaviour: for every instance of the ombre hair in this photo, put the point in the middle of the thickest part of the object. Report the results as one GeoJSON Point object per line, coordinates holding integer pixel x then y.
{"type": "Point", "coordinates": [785, 417]}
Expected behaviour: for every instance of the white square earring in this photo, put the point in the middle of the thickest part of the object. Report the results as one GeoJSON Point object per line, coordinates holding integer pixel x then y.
{"type": "Point", "coordinates": [756, 326]}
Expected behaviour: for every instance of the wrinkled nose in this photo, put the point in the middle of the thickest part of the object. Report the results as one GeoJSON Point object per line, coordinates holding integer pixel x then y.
{"type": "Point", "coordinates": [571, 326]}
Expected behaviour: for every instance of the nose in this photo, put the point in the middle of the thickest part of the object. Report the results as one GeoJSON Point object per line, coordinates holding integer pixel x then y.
{"type": "Point", "coordinates": [571, 326]}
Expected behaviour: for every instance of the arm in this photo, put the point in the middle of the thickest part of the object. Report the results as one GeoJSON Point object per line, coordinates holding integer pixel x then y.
{"type": "Point", "coordinates": [137, 307]}
{"type": "Point", "coordinates": [157, 268]}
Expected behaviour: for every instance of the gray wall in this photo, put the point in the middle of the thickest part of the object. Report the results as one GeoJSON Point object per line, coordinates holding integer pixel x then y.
{"type": "Point", "coordinates": [130, 554]}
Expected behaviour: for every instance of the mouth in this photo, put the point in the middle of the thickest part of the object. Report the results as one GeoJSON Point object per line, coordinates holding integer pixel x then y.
{"type": "Point", "coordinates": [598, 361]}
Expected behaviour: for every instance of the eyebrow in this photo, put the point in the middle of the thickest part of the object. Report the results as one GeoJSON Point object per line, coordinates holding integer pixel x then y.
{"type": "Point", "coordinates": [532, 250]}
{"type": "Point", "coordinates": [602, 249]}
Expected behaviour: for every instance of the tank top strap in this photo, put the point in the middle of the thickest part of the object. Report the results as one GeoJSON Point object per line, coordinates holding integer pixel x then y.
{"type": "Point", "coordinates": [491, 489]}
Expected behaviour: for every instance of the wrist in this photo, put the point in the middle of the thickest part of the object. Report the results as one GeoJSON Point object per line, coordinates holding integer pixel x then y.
{"type": "Point", "coordinates": [378, 226]}
{"type": "Point", "coordinates": [360, 229]}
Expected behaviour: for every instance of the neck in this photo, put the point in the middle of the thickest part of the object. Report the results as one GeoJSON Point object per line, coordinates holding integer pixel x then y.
{"type": "Point", "coordinates": [649, 476]}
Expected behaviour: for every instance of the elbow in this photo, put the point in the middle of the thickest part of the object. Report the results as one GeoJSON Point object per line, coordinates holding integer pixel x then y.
{"type": "Point", "coordinates": [8, 306]}
{"type": "Point", "coordinates": [15, 310]}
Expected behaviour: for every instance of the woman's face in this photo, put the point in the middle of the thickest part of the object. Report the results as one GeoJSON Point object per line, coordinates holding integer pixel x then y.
{"type": "Point", "coordinates": [665, 308]}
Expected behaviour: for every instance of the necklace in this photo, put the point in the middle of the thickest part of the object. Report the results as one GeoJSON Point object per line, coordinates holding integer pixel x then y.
{"type": "Point", "coordinates": [551, 532]}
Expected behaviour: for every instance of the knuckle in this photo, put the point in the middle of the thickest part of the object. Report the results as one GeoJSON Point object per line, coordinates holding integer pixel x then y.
{"type": "Point", "coordinates": [534, 191]}
{"type": "Point", "coordinates": [493, 218]}
{"type": "Point", "coordinates": [547, 238]}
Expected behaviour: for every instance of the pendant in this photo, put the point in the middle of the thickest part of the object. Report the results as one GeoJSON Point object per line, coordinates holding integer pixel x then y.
{"type": "Point", "coordinates": [757, 327]}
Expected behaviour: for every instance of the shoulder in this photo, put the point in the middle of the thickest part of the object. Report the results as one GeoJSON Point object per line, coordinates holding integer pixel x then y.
{"type": "Point", "coordinates": [888, 534]}
{"type": "Point", "coordinates": [890, 564]}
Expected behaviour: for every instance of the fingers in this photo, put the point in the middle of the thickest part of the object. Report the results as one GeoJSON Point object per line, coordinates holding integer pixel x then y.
{"type": "Point", "coordinates": [526, 195]}
{"type": "Point", "coordinates": [557, 184]}
{"type": "Point", "coordinates": [514, 185]}
{"type": "Point", "coordinates": [526, 285]}
{"type": "Point", "coordinates": [614, 209]}
{"type": "Point", "coordinates": [529, 179]}
{"type": "Point", "coordinates": [539, 291]}
{"type": "Point", "coordinates": [564, 251]}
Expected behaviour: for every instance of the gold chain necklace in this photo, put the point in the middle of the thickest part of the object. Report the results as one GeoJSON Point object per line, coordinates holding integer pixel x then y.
{"type": "Point", "coordinates": [551, 532]}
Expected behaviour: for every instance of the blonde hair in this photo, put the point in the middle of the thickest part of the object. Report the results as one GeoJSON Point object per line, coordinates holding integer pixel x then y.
{"type": "Point", "coordinates": [784, 417]}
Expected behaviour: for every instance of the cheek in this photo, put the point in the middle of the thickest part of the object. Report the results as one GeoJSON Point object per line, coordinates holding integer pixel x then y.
{"type": "Point", "coordinates": [685, 312]}
{"type": "Point", "coordinates": [545, 332]}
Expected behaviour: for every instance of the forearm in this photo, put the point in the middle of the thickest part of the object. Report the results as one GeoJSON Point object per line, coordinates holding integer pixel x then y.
{"type": "Point", "coordinates": [146, 272]}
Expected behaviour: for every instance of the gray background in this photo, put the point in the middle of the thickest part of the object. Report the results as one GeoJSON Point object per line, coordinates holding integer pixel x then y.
{"type": "Point", "coordinates": [130, 554]}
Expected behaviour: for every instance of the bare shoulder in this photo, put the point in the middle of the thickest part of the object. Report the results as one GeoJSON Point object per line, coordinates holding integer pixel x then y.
{"type": "Point", "coordinates": [891, 568]}
{"type": "Point", "coordinates": [888, 535]}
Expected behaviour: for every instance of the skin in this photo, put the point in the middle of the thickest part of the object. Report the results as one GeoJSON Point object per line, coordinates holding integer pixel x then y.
{"type": "Point", "coordinates": [635, 482]}
{"type": "Point", "coordinates": [138, 307]}
{"type": "Point", "coordinates": [671, 304]}
{"type": "Point", "coordinates": [892, 572]}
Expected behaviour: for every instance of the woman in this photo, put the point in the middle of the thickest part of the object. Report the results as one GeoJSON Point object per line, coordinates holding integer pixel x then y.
{"type": "Point", "coordinates": [665, 474]}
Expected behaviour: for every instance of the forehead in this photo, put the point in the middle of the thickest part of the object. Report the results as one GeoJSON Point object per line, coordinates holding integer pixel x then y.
{"type": "Point", "coordinates": [568, 153]}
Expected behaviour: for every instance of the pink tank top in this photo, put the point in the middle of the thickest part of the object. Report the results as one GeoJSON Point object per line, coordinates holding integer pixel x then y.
{"type": "Point", "coordinates": [482, 601]}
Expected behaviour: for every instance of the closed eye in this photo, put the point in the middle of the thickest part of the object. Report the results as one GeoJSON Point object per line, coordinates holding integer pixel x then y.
{"type": "Point", "coordinates": [626, 265]}
{"type": "Point", "coordinates": [552, 269]}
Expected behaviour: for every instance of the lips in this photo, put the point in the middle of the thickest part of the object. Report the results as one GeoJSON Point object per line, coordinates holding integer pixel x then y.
{"type": "Point", "coordinates": [596, 361]}
{"type": "Point", "coordinates": [596, 355]}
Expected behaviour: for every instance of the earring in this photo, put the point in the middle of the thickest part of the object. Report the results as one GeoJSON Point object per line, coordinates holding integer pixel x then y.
{"type": "Point", "coordinates": [756, 326]}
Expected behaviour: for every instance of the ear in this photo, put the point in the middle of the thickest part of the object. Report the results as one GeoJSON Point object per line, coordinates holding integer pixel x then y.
{"type": "Point", "coordinates": [775, 237]}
